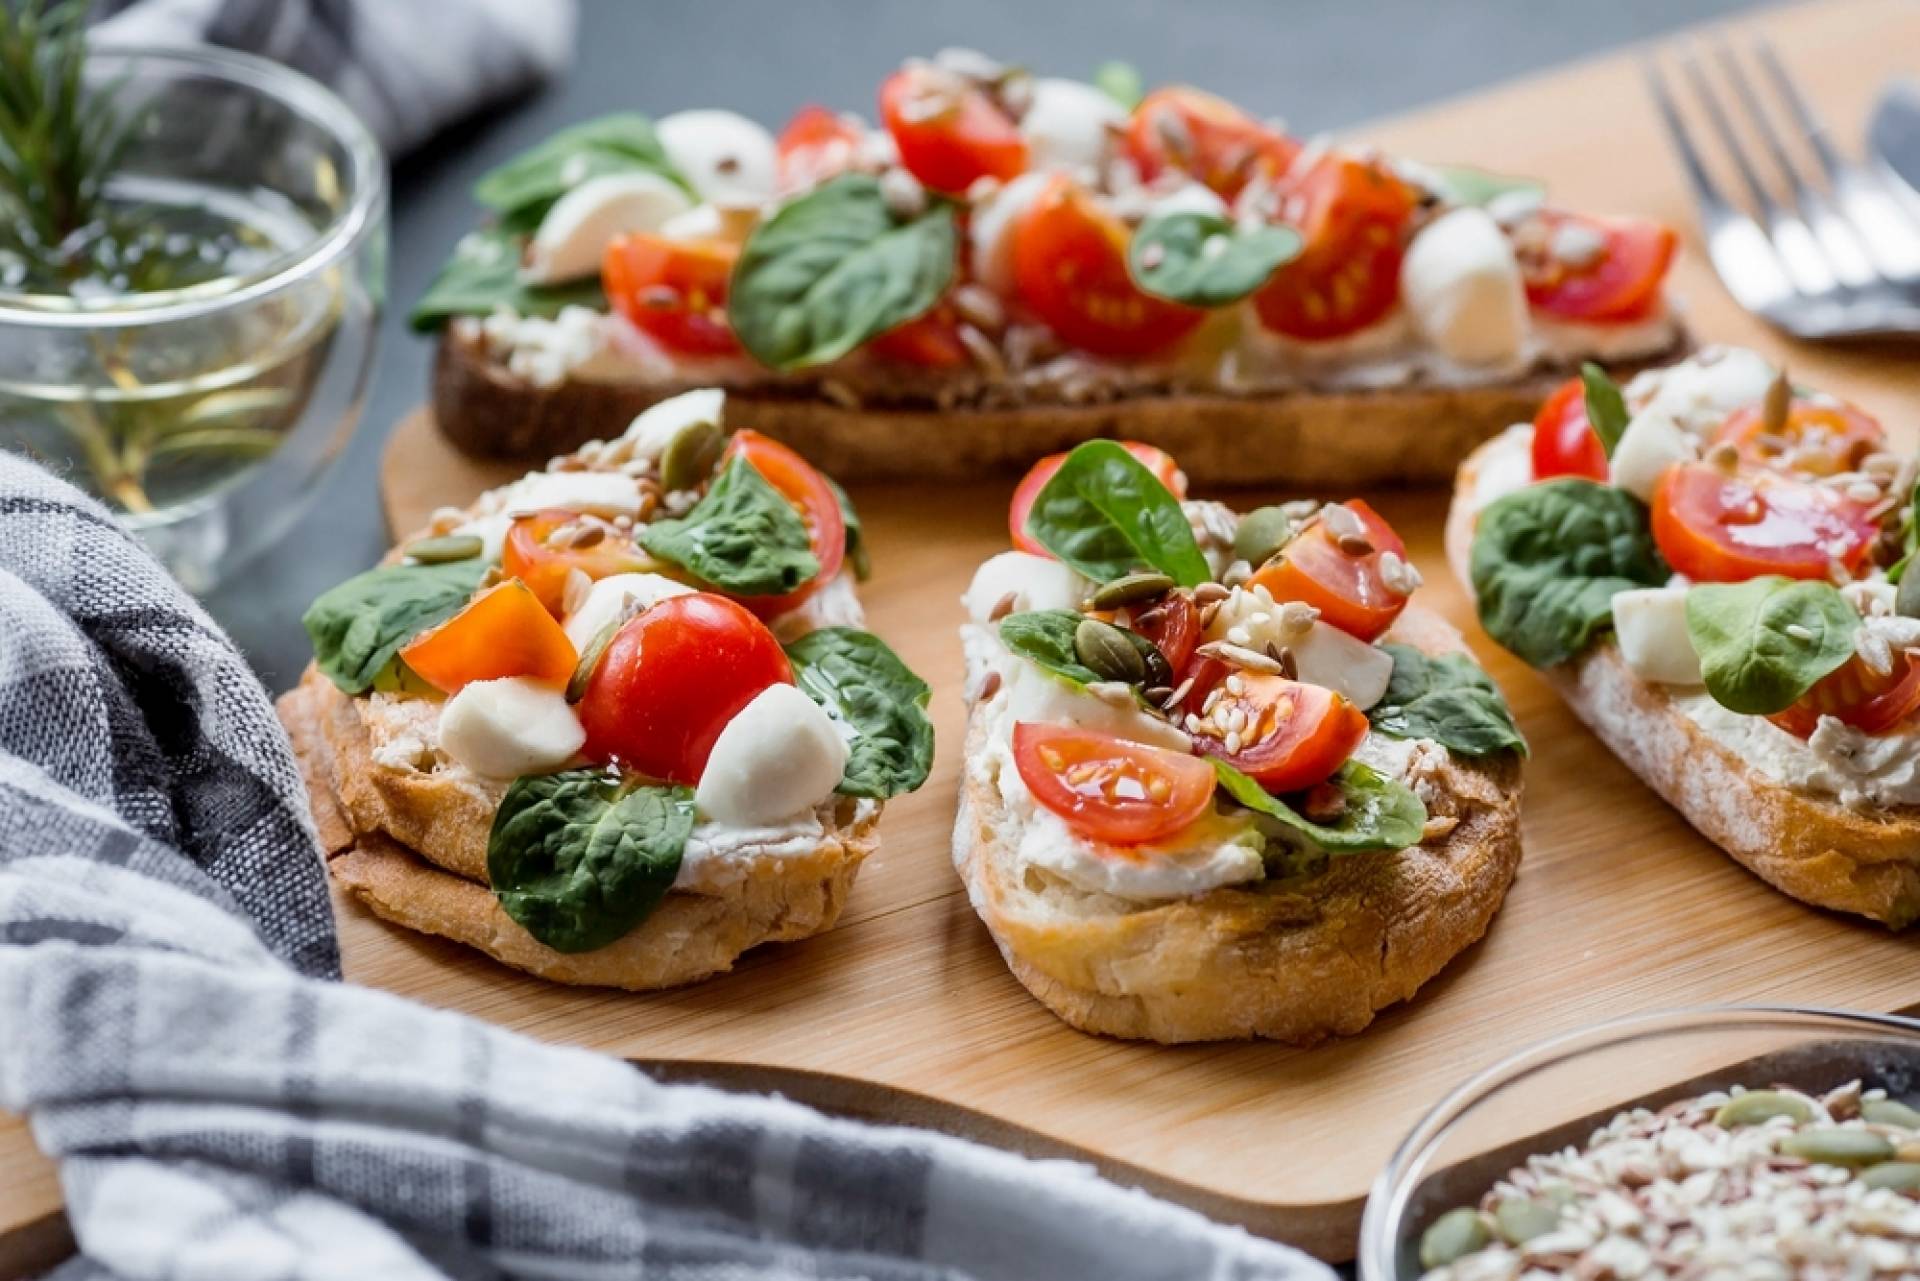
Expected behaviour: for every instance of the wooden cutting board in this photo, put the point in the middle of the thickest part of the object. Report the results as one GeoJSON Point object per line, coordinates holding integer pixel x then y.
{"type": "Point", "coordinates": [905, 1010]}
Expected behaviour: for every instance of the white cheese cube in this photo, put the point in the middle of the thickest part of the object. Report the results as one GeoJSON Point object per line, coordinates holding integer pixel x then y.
{"type": "Point", "coordinates": [1651, 624]}
{"type": "Point", "coordinates": [781, 755]}
{"type": "Point", "coordinates": [573, 237]}
{"type": "Point", "coordinates": [1035, 582]}
{"type": "Point", "coordinates": [1067, 124]}
{"type": "Point", "coordinates": [614, 596]}
{"type": "Point", "coordinates": [1328, 656]}
{"type": "Point", "coordinates": [659, 423]}
{"type": "Point", "coordinates": [1461, 283]}
{"type": "Point", "coordinates": [1652, 442]}
{"type": "Point", "coordinates": [1700, 391]}
{"type": "Point", "coordinates": [729, 159]}
{"type": "Point", "coordinates": [509, 727]}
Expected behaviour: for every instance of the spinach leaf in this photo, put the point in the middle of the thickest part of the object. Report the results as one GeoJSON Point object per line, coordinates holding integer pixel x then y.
{"type": "Point", "coordinates": [1548, 559]}
{"type": "Point", "coordinates": [742, 537]}
{"type": "Point", "coordinates": [1106, 515]}
{"type": "Point", "coordinates": [359, 626]}
{"type": "Point", "coordinates": [862, 683]}
{"type": "Point", "coordinates": [834, 268]}
{"type": "Point", "coordinates": [581, 857]}
{"type": "Point", "coordinates": [484, 273]}
{"type": "Point", "coordinates": [1764, 642]}
{"type": "Point", "coordinates": [1465, 185]}
{"type": "Point", "coordinates": [1447, 698]}
{"type": "Point", "coordinates": [856, 532]}
{"type": "Point", "coordinates": [1606, 407]}
{"type": "Point", "coordinates": [525, 187]}
{"type": "Point", "coordinates": [1910, 542]}
{"type": "Point", "coordinates": [1382, 813]}
{"type": "Point", "coordinates": [1121, 82]}
{"type": "Point", "coordinates": [1206, 260]}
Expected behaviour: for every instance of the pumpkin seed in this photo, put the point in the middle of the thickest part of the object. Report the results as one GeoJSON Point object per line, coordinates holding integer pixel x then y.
{"type": "Point", "coordinates": [1453, 1236]}
{"type": "Point", "coordinates": [1756, 1106]}
{"type": "Point", "coordinates": [1900, 1176]}
{"type": "Point", "coordinates": [1889, 1112]}
{"type": "Point", "coordinates": [690, 456]}
{"type": "Point", "coordinates": [1838, 1147]}
{"type": "Point", "coordinates": [1906, 600]}
{"type": "Point", "coordinates": [446, 549]}
{"type": "Point", "coordinates": [1521, 1220]}
{"type": "Point", "coordinates": [1131, 589]}
{"type": "Point", "coordinates": [1263, 531]}
{"type": "Point", "coordinates": [590, 659]}
{"type": "Point", "coordinates": [1108, 651]}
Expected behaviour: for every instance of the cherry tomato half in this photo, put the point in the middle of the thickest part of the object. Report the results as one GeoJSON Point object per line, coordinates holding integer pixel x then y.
{"type": "Point", "coordinates": [810, 494]}
{"type": "Point", "coordinates": [1822, 438]}
{"type": "Point", "coordinates": [815, 145]}
{"type": "Point", "coordinates": [671, 678]}
{"type": "Point", "coordinates": [673, 290]}
{"type": "Point", "coordinates": [1110, 789]}
{"type": "Point", "coordinates": [1158, 461]}
{"type": "Point", "coordinates": [1612, 271]}
{"type": "Point", "coordinates": [1207, 138]}
{"type": "Point", "coordinates": [948, 131]}
{"type": "Point", "coordinates": [1070, 267]}
{"type": "Point", "coordinates": [1343, 582]}
{"type": "Point", "coordinates": [931, 341]}
{"type": "Point", "coordinates": [1872, 702]}
{"type": "Point", "coordinates": [543, 548]}
{"type": "Point", "coordinates": [1291, 736]}
{"type": "Point", "coordinates": [1564, 443]}
{"type": "Point", "coordinates": [1717, 528]}
{"type": "Point", "coordinates": [504, 631]}
{"type": "Point", "coordinates": [1353, 216]}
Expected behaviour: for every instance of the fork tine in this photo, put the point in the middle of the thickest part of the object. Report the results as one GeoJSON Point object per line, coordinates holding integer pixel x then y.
{"type": "Point", "coordinates": [1723, 125]}
{"type": "Point", "coordinates": [1705, 189]}
{"type": "Point", "coordinates": [1811, 127]}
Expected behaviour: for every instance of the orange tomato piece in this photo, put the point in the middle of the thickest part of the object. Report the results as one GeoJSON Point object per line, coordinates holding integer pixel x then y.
{"type": "Point", "coordinates": [504, 631]}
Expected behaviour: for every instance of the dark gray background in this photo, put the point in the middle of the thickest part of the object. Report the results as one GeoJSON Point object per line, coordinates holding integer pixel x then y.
{"type": "Point", "coordinates": [1320, 65]}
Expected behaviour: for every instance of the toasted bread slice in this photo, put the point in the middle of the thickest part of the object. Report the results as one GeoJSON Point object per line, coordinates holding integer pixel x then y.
{"type": "Point", "coordinates": [1301, 437]}
{"type": "Point", "coordinates": [1292, 960]}
{"type": "Point", "coordinates": [1808, 846]}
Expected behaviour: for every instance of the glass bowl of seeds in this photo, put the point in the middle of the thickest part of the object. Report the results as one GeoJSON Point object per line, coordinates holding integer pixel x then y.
{"type": "Point", "coordinates": [1724, 1141]}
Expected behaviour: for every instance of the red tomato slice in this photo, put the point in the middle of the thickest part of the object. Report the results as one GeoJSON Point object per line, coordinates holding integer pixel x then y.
{"type": "Point", "coordinates": [1173, 625]}
{"type": "Point", "coordinates": [504, 631]}
{"type": "Point", "coordinates": [1291, 735]}
{"type": "Point", "coordinates": [1157, 461]}
{"type": "Point", "coordinates": [1070, 267]}
{"type": "Point", "coordinates": [543, 548]}
{"type": "Point", "coordinates": [931, 341]}
{"type": "Point", "coordinates": [1870, 701]}
{"type": "Point", "coordinates": [1822, 438]}
{"type": "Point", "coordinates": [1353, 215]}
{"type": "Point", "coordinates": [1716, 528]}
{"type": "Point", "coordinates": [1207, 138]}
{"type": "Point", "coordinates": [1621, 280]}
{"type": "Point", "coordinates": [674, 290]}
{"type": "Point", "coordinates": [815, 145]}
{"type": "Point", "coordinates": [1109, 789]}
{"type": "Point", "coordinates": [811, 496]}
{"type": "Point", "coordinates": [1343, 583]}
{"type": "Point", "coordinates": [670, 680]}
{"type": "Point", "coordinates": [1564, 443]}
{"type": "Point", "coordinates": [949, 133]}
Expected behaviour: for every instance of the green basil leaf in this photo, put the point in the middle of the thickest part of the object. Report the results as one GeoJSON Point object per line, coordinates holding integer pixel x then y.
{"type": "Point", "coordinates": [1548, 559]}
{"type": "Point", "coordinates": [359, 626]}
{"type": "Point", "coordinates": [863, 684]}
{"type": "Point", "coordinates": [1121, 82]}
{"type": "Point", "coordinates": [856, 532]}
{"type": "Point", "coordinates": [525, 187]}
{"type": "Point", "coordinates": [1763, 643]}
{"type": "Point", "coordinates": [581, 857]}
{"type": "Point", "coordinates": [1910, 541]}
{"type": "Point", "coordinates": [743, 537]}
{"type": "Point", "coordinates": [1446, 698]}
{"type": "Point", "coordinates": [1206, 260]}
{"type": "Point", "coordinates": [1382, 813]}
{"type": "Point", "coordinates": [834, 268]}
{"type": "Point", "coordinates": [1465, 185]}
{"type": "Point", "coordinates": [484, 273]}
{"type": "Point", "coordinates": [1106, 514]}
{"type": "Point", "coordinates": [1606, 407]}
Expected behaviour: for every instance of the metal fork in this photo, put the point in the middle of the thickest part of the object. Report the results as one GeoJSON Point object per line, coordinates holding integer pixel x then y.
{"type": "Point", "coordinates": [1832, 253]}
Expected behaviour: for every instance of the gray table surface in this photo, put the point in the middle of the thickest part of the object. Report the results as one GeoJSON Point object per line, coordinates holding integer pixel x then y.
{"type": "Point", "coordinates": [1319, 64]}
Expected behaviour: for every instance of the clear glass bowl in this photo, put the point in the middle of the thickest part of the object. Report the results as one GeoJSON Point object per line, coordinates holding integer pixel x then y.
{"type": "Point", "coordinates": [1556, 1093]}
{"type": "Point", "coordinates": [204, 412]}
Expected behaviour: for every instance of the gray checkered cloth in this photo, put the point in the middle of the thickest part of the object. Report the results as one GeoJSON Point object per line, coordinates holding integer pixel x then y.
{"type": "Point", "coordinates": [223, 1109]}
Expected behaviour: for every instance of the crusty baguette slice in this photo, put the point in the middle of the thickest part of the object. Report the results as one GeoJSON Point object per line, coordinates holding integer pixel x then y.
{"type": "Point", "coordinates": [359, 806]}
{"type": "Point", "coordinates": [1300, 438]}
{"type": "Point", "coordinates": [1293, 961]}
{"type": "Point", "coordinates": [1813, 848]}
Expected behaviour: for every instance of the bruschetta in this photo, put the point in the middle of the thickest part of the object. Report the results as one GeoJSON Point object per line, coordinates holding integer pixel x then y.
{"type": "Point", "coordinates": [1708, 564]}
{"type": "Point", "coordinates": [618, 721]}
{"type": "Point", "coordinates": [1221, 780]}
{"type": "Point", "coordinates": [1010, 264]}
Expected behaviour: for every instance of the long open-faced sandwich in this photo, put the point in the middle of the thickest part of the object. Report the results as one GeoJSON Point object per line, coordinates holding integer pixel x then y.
{"type": "Point", "coordinates": [1707, 568]}
{"type": "Point", "coordinates": [617, 722]}
{"type": "Point", "coordinates": [1011, 264]}
{"type": "Point", "coordinates": [1221, 781]}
